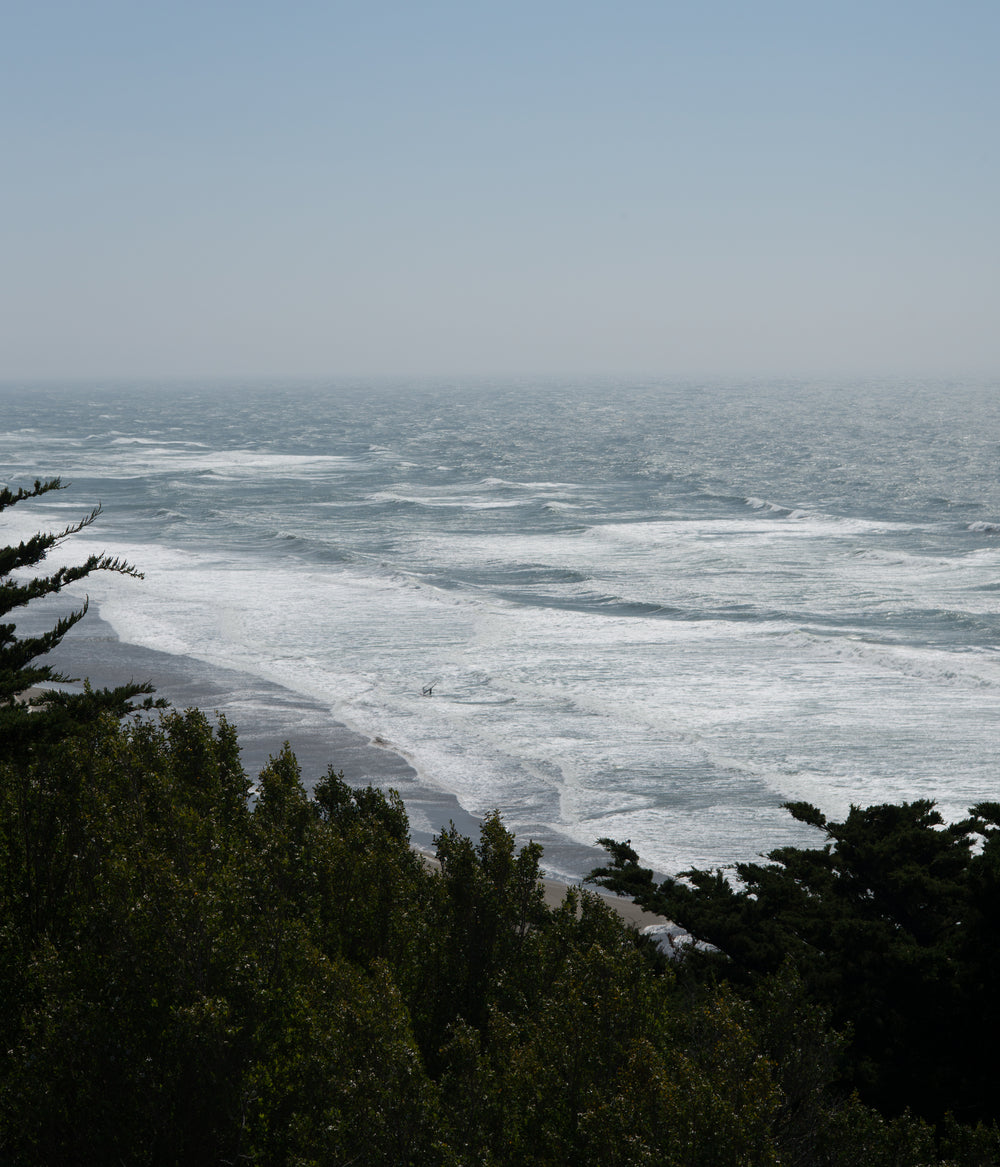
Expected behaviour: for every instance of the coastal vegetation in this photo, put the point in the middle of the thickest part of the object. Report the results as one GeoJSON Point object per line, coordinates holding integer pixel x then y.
{"type": "Point", "coordinates": [21, 669]}
{"type": "Point", "coordinates": [893, 926]}
{"type": "Point", "coordinates": [200, 966]}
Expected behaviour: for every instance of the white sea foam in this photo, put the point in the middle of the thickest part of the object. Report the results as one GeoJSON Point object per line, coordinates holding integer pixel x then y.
{"type": "Point", "coordinates": [622, 642]}
{"type": "Point", "coordinates": [761, 504]}
{"type": "Point", "coordinates": [136, 458]}
{"type": "Point", "coordinates": [534, 708]}
{"type": "Point", "coordinates": [456, 501]}
{"type": "Point", "coordinates": [158, 443]}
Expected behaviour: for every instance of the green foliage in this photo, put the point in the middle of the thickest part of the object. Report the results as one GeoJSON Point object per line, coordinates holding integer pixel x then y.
{"type": "Point", "coordinates": [192, 975]}
{"type": "Point", "coordinates": [52, 716]}
{"type": "Point", "coordinates": [892, 926]}
{"type": "Point", "coordinates": [171, 991]}
{"type": "Point", "coordinates": [489, 901]}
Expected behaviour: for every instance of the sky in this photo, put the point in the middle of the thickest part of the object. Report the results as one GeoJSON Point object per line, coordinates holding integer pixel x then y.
{"type": "Point", "coordinates": [436, 188]}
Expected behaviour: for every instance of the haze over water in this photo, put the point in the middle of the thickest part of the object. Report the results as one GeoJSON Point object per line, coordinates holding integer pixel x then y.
{"type": "Point", "coordinates": [650, 610]}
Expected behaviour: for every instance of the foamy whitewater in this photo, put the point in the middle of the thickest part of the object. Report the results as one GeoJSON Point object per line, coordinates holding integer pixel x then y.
{"type": "Point", "coordinates": [645, 611]}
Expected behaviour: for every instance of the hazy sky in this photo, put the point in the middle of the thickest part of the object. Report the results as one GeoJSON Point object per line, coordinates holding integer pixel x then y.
{"type": "Point", "coordinates": [419, 187]}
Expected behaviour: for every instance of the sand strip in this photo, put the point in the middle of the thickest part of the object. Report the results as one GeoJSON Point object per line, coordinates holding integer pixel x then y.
{"type": "Point", "coordinates": [266, 715]}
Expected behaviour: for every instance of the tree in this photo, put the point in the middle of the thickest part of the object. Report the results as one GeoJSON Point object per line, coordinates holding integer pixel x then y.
{"type": "Point", "coordinates": [25, 721]}
{"type": "Point", "coordinates": [187, 976]}
{"type": "Point", "coordinates": [892, 927]}
{"type": "Point", "coordinates": [167, 993]}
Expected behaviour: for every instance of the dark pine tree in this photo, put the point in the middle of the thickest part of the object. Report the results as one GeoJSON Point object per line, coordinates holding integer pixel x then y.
{"type": "Point", "coordinates": [892, 927]}
{"type": "Point", "coordinates": [28, 720]}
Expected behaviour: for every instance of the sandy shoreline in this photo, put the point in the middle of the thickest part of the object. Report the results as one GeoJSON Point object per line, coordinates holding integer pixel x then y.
{"type": "Point", "coordinates": [267, 715]}
{"type": "Point", "coordinates": [631, 913]}
{"type": "Point", "coordinates": [555, 890]}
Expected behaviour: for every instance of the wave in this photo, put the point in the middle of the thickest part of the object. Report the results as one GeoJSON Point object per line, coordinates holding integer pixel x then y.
{"type": "Point", "coordinates": [789, 525]}
{"type": "Point", "coordinates": [138, 459]}
{"type": "Point", "coordinates": [956, 505]}
{"type": "Point", "coordinates": [935, 666]}
{"type": "Point", "coordinates": [157, 442]}
{"type": "Point", "coordinates": [468, 701]}
{"type": "Point", "coordinates": [536, 573]}
{"type": "Point", "coordinates": [455, 502]}
{"type": "Point", "coordinates": [532, 486]}
{"type": "Point", "coordinates": [761, 504]}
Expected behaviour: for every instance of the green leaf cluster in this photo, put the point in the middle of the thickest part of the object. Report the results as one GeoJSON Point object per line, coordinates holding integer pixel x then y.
{"type": "Point", "coordinates": [188, 974]}
{"type": "Point", "coordinates": [892, 926]}
{"type": "Point", "coordinates": [197, 970]}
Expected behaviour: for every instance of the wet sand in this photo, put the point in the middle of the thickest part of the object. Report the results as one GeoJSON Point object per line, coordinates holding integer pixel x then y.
{"type": "Point", "coordinates": [267, 715]}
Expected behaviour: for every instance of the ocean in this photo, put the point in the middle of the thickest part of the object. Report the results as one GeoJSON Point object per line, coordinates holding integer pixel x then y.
{"type": "Point", "coordinates": [646, 610]}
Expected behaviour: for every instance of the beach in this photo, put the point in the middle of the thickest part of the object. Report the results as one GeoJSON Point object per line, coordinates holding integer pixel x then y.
{"type": "Point", "coordinates": [92, 651]}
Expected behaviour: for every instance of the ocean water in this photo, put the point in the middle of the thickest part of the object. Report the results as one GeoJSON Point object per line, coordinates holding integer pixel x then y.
{"type": "Point", "coordinates": [651, 611]}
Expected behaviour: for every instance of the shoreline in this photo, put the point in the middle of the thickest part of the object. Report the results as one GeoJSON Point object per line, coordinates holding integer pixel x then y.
{"type": "Point", "coordinates": [554, 890]}
{"type": "Point", "coordinates": [266, 715]}
{"type": "Point", "coordinates": [630, 912]}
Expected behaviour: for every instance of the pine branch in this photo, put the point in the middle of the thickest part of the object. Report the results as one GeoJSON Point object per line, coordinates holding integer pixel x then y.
{"type": "Point", "coordinates": [8, 497]}
{"type": "Point", "coordinates": [19, 666]}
